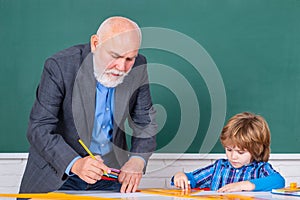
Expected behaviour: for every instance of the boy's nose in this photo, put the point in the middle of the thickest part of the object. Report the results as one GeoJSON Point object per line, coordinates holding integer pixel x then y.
{"type": "Point", "coordinates": [234, 155]}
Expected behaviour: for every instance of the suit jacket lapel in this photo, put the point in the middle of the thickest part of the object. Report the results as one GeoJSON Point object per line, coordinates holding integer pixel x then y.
{"type": "Point", "coordinates": [83, 100]}
{"type": "Point", "coordinates": [121, 104]}
{"type": "Point", "coordinates": [123, 93]}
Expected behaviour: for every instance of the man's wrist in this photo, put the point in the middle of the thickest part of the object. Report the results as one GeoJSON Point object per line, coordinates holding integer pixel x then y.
{"type": "Point", "coordinates": [68, 170]}
{"type": "Point", "coordinates": [139, 158]}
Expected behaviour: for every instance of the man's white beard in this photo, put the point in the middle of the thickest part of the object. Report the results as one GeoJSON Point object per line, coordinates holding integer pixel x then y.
{"type": "Point", "coordinates": [107, 79]}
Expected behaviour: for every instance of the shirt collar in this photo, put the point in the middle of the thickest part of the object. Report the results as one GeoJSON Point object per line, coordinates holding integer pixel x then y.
{"type": "Point", "coordinates": [226, 163]}
{"type": "Point", "coordinates": [101, 87]}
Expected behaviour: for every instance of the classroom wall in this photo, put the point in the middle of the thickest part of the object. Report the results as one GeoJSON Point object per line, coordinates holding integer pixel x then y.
{"type": "Point", "coordinates": [160, 168]}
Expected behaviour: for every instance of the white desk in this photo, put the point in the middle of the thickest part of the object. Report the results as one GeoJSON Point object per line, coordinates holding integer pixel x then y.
{"type": "Point", "coordinates": [144, 195]}
{"type": "Point", "coordinates": [198, 195]}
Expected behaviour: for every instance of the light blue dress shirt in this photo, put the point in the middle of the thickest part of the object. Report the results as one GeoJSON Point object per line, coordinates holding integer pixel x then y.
{"type": "Point", "coordinates": [103, 123]}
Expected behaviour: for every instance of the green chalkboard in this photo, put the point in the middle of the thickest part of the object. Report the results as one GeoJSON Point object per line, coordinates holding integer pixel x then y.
{"type": "Point", "coordinates": [208, 60]}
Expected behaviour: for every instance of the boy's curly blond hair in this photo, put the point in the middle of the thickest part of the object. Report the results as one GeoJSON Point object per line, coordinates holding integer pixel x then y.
{"type": "Point", "coordinates": [250, 132]}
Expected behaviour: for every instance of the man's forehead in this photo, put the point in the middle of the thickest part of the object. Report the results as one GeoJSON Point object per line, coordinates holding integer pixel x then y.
{"type": "Point", "coordinates": [132, 35]}
{"type": "Point", "coordinates": [122, 44]}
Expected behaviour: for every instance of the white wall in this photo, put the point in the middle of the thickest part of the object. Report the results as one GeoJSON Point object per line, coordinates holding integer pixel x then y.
{"type": "Point", "coordinates": [12, 166]}
{"type": "Point", "coordinates": [160, 169]}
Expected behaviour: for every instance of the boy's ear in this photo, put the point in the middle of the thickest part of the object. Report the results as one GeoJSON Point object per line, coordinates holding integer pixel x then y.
{"type": "Point", "coordinates": [94, 42]}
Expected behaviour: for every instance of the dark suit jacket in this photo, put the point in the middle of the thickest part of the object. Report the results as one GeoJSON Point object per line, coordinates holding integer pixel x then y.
{"type": "Point", "coordinates": [64, 111]}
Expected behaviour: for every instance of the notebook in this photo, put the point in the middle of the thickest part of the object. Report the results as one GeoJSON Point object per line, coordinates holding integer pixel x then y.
{"type": "Point", "coordinates": [287, 191]}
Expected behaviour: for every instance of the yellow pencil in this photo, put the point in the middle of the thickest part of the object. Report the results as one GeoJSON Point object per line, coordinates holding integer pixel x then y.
{"type": "Point", "coordinates": [90, 153]}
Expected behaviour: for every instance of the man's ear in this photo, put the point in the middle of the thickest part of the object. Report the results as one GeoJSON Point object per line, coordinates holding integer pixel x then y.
{"type": "Point", "coordinates": [94, 42]}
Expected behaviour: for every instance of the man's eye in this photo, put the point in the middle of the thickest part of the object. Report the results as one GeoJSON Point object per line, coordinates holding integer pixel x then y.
{"type": "Point", "coordinates": [241, 152]}
{"type": "Point", "coordinates": [229, 149]}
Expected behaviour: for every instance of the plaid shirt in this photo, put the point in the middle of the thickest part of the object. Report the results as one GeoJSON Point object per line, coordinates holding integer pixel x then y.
{"type": "Point", "coordinates": [221, 173]}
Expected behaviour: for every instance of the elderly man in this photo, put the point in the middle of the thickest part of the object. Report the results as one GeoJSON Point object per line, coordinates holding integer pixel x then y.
{"type": "Point", "coordinates": [88, 92]}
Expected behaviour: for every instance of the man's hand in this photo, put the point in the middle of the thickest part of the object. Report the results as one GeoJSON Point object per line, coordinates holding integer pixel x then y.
{"type": "Point", "coordinates": [131, 174]}
{"type": "Point", "coordinates": [89, 169]}
{"type": "Point", "coordinates": [237, 187]}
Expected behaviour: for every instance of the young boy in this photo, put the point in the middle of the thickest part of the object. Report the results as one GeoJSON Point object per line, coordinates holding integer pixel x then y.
{"type": "Point", "coordinates": [246, 139]}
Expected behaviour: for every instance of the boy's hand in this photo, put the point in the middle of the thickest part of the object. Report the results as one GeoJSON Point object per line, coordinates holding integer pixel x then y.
{"type": "Point", "coordinates": [237, 187]}
{"type": "Point", "coordinates": [181, 181]}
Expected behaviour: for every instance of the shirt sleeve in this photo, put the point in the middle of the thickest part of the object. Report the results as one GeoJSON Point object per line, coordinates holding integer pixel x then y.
{"type": "Point", "coordinates": [273, 181]}
{"type": "Point", "coordinates": [140, 157]}
{"type": "Point", "coordinates": [201, 178]}
{"type": "Point", "coordinates": [68, 170]}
